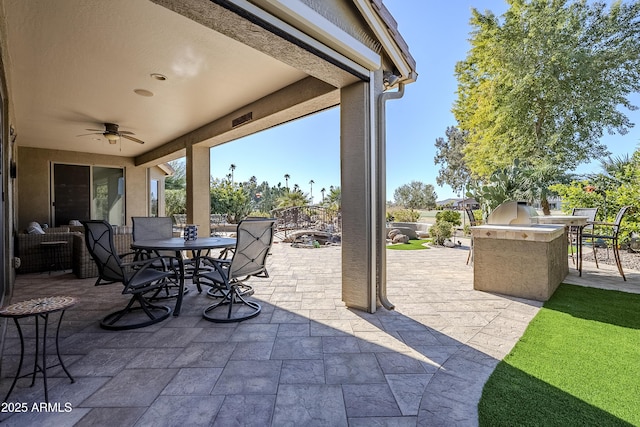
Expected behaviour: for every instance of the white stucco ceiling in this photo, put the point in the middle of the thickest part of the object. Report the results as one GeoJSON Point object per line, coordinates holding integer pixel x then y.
{"type": "Point", "coordinates": [74, 64]}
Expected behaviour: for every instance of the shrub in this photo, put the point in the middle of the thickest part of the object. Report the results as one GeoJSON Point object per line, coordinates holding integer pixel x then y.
{"type": "Point", "coordinates": [441, 231]}
{"type": "Point", "coordinates": [452, 217]}
{"type": "Point", "coordinates": [230, 199]}
{"type": "Point", "coordinates": [406, 215]}
{"type": "Point", "coordinates": [175, 202]}
{"type": "Point", "coordinates": [259, 214]}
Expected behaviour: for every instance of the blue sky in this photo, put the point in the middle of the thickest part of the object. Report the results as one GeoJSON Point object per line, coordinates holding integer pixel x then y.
{"type": "Point", "coordinates": [308, 149]}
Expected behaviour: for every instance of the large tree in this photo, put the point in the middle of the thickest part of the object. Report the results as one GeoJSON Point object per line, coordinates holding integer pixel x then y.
{"type": "Point", "coordinates": [450, 156]}
{"type": "Point", "coordinates": [415, 195]}
{"type": "Point", "coordinates": [177, 181]}
{"type": "Point", "coordinates": [230, 199]}
{"type": "Point", "coordinates": [543, 82]}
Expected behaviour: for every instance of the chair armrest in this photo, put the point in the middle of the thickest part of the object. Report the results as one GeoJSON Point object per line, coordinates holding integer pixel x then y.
{"type": "Point", "coordinates": [220, 265]}
{"type": "Point", "coordinates": [145, 263]}
{"type": "Point", "coordinates": [131, 255]}
{"type": "Point", "coordinates": [607, 224]}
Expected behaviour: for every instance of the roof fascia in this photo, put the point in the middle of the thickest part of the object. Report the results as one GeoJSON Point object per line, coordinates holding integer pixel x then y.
{"type": "Point", "coordinates": [274, 20]}
{"type": "Point", "coordinates": [311, 22]}
{"type": "Point", "coordinates": [167, 169]}
{"type": "Point", "coordinates": [386, 39]}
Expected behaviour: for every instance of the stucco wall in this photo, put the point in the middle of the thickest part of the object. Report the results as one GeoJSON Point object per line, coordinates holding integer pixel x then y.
{"type": "Point", "coordinates": [346, 16]}
{"type": "Point", "coordinates": [33, 182]}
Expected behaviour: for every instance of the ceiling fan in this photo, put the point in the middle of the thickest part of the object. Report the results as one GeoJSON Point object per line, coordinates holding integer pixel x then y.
{"type": "Point", "coordinates": [112, 133]}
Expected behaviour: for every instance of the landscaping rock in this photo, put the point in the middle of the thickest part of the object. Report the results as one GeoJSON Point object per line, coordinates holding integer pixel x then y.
{"type": "Point", "coordinates": [400, 238]}
{"type": "Point", "coordinates": [407, 231]}
{"type": "Point", "coordinates": [392, 233]}
{"type": "Point", "coordinates": [448, 244]}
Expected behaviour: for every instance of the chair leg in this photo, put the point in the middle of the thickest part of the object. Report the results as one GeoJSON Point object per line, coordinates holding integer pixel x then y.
{"type": "Point", "coordinates": [153, 312]}
{"type": "Point", "coordinates": [166, 292]}
{"type": "Point", "coordinates": [570, 234]}
{"type": "Point", "coordinates": [233, 297]}
{"type": "Point", "coordinates": [616, 255]}
{"type": "Point", "coordinates": [221, 291]}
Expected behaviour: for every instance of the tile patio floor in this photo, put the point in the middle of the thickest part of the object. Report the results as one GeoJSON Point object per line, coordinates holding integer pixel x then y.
{"type": "Point", "coordinates": [306, 360]}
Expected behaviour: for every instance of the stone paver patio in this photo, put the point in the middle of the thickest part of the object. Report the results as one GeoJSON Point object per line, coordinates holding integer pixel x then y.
{"type": "Point", "coordinates": [305, 360]}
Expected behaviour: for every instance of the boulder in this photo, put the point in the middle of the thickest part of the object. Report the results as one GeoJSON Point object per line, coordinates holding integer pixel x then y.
{"type": "Point", "coordinates": [392, 233]}
{"type": "Point", "coordinates": [400, 238]}
{"type": "Point", "coordinates": [407, 231]}
{"type": "Point", "coordinates": [448, 244]}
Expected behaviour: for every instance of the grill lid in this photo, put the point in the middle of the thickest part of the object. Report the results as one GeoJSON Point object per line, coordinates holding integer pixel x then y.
{"type": "Point", "coordinates": [510, 213]}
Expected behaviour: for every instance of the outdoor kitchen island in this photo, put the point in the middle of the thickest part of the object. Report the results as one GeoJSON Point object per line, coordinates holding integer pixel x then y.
{"type": "Point", "coordinates": [527, 261]}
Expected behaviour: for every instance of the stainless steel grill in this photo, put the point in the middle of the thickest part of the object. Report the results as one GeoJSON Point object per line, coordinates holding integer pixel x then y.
{"type": "Point", "coordinates": [511, 213]}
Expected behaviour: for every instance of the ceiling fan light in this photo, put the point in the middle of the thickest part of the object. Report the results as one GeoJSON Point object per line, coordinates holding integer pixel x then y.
{"type": "Point", "coordinates": [112, 137]}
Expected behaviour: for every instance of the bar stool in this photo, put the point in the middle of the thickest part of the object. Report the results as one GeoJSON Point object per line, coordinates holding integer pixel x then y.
{"type": "Point", "coordinates": [39, 308]}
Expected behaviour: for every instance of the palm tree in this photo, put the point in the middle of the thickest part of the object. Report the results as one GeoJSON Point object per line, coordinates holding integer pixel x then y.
{"type": "Point", "coordinates": [311, 191]}
{"type": "Point", "coordinates": [534, 183]}
{"type": "Point", "coordinates": [615, 171]}
{"type": "Point", "coordinates": [232, 168]}
{"type": "Point", "coordinates": [296, 188]}
{"type": "Point", "coordinates": [293, 198]}
{"type": "Point", "coordinates": [286, 180]}
{"type": "Point", "coordinates": [322, 192]}
{"type": "Point", "coordinates": [334, 197]}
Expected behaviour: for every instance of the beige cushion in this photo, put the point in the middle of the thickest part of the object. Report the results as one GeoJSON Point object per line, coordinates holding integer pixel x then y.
{"type": "Point", "coordinates": [34, 228]}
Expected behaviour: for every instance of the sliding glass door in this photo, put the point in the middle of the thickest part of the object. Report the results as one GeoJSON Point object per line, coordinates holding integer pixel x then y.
{"type": "Point", "coordinates": [88, 192]}
{"type": "Point", "coordinates": [108, 195]}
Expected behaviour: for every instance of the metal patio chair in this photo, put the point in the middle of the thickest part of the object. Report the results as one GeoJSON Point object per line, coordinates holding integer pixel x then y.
{"type": "Point", "coordinates": [591, 214]}
{"type": "Point", "coordinates": [609, 232]}
{"type": "Point", "coordinates": [472, 223]}
{"type": "Point", "coordinates": [151, 228]}
{"type": "Point", "coordinates": [254, 240]}
{"type": "Point", "coordinates": [138, 278]}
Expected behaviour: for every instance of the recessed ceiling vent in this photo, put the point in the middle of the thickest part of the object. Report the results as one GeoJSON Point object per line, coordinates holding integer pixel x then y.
{"type": "Point", "coordinates": [242, 119]}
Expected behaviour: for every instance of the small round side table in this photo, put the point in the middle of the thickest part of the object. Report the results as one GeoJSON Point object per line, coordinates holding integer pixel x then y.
{"type": "Point", "coordinates": [40, 308]}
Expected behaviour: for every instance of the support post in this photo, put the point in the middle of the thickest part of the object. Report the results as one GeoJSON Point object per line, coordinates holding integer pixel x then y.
{"type": "Point", "coordinates": [358, 183]}
{"type": "Point", "coordinates": [197, 174]}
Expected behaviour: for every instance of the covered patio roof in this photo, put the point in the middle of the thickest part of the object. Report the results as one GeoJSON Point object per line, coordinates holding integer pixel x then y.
{"type": "Point", "coordinates": [182, 72]}
{"type": "Point", "coordinates": [182, 76]}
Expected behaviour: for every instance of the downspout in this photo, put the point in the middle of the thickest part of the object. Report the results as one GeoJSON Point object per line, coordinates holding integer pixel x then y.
{"type": "Point", "coordinates": [381, 189]}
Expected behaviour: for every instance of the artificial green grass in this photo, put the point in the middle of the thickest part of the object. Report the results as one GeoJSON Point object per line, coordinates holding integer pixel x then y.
{"type": "Point", "coordinates": [577, 364]}
{"type": "Point", "coordinates": [411, 246]}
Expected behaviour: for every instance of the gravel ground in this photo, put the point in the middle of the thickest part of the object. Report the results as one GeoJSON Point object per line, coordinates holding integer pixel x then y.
{"type": "Point", "coordinates": [630, 260]}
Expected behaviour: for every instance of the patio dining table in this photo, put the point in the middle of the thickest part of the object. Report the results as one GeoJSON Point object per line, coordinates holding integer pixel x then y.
{"type": "Point", "coordinates": [178, 245]}
{"type": "Point", "coordinates": [572, 223]}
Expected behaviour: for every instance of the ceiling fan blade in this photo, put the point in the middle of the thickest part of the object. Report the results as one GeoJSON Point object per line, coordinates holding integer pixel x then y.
{"type": "Point", "coordinates": [125, 132]}
{"type": "Point", "coordinates": [87, 134]}
{"type": "Point", "coordinates": [96, 130]}
{"type": "Point", "coordinates": [132, 138]}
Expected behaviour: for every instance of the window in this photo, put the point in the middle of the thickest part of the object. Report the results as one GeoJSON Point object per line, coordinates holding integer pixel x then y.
{"type": "Point", "coordinates": [153, 197]}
